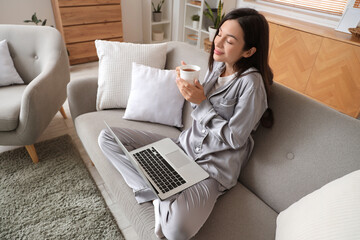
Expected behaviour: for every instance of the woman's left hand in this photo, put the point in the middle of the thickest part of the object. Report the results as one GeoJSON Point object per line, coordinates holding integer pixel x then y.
{"type": "Point", "coordinates": [192, 93]}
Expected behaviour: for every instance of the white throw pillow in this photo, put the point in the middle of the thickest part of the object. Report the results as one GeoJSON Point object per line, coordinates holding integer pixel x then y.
{"type": "Point", "coordinates": [154, 96]}
{"type": "Point", "coordinates": [329, 213]}
{"type": "Point", "coordinates": [8, 73]}
{"type": "Point", "coordinates": [115, 60]}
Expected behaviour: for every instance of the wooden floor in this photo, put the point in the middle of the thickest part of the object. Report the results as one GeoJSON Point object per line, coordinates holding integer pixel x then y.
{"type": "Point", "coordinates": [60, 126]}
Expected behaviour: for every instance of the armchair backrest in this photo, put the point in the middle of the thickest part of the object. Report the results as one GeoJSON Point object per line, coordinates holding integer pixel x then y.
{"type": "Point", "coordinates": [32, 48]}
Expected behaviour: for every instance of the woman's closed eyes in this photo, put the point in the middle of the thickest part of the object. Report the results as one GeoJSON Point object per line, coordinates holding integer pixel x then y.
{"type": "Point", "coordinates": [228, 39]}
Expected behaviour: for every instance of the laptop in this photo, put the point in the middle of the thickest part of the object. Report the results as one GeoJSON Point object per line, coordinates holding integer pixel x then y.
{"type": "Point", "coordinates": [164, 166]}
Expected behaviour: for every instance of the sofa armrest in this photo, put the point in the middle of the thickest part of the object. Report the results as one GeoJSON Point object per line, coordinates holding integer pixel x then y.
{"type": "Point", "coordinates": [82, 96]}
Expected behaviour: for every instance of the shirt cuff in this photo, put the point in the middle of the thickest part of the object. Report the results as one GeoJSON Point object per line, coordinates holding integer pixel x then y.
{"type": "Point", "coordinates": [204, 112]}
{"type": "Point", "coordinates": [145, 195]}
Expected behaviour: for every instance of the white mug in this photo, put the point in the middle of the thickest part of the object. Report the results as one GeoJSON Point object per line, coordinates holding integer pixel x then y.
{"type": "Point", "coordinates": [189, 73]}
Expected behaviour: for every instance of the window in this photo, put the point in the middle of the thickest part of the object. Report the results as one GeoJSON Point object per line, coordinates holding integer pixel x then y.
{"type": "Point", "coordinates": [335, 7]}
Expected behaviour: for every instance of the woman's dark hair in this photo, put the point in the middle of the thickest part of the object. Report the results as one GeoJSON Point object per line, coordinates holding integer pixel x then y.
{"type": "Point", "coordinates": [256, 34]}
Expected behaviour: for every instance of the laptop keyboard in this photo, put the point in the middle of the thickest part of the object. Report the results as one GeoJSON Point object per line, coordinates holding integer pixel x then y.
{"type": "Point", "coordinates": [160, 171]}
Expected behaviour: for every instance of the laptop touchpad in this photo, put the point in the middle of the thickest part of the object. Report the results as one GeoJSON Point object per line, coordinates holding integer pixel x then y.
{"type": "Point", "coordinates": [178, 159]}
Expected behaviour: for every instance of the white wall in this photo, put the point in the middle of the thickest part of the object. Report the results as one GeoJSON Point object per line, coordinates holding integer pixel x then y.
{"type": "Point", "coordinates": [132, 20]}
{"type": "Point", "coordinates": [16, 11]}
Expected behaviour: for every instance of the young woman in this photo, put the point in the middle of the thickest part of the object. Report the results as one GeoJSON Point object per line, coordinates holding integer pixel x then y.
{"type": "Point", "coordinates": [227, 108]}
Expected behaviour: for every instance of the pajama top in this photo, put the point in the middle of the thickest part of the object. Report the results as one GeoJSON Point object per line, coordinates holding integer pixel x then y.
{"type": "Point", "coordinates": [219, 139]}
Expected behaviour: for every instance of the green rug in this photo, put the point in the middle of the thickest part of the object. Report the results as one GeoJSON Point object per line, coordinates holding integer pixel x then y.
{"type": "Point", "coordinates": [54, 199]}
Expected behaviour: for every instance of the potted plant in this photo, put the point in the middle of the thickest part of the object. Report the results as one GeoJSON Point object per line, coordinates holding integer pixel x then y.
{"type": "Point", "coordinates": [195, 21]}
{"type": "Point", "coordinates": [214, 19]}
{"type": "Point", "coordinates": [157, 11]}
{"type": "Point", "coordinates": [35, 20]}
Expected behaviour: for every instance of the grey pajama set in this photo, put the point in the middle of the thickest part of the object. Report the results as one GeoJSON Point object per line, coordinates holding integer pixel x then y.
{"type": "Point", "coordinates": [219, 140]}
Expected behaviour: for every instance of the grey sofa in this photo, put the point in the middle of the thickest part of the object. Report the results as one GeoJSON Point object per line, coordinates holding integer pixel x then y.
{"type": "Point", "coordinates": [40, 58]}
{"type": "Point", "coordinates": [308, 146]}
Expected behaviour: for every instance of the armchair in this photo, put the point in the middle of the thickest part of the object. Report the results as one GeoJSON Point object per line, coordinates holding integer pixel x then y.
{"type": "Point", "coordinates": [40, 58]}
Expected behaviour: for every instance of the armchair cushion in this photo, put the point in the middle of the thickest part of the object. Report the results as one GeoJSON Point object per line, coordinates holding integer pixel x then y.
{"type": "Point", "coordinates": [10, 100]}
{"type": "Point", "coordinates": [8, 73]}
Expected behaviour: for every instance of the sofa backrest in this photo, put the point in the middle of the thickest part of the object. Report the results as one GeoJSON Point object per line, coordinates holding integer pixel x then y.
{"type": "Point", "coordinates": [308, 146]}
{"type": "Point", "coordinates": [32, 48]}
{"type": "Point", "coordinates": [180, 51]}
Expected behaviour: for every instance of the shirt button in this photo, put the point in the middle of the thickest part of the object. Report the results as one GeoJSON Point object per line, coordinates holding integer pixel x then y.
{"type": "Point", "coordinates": [203, 131]}
{"type": "Point", "coordinates": [197, 149]}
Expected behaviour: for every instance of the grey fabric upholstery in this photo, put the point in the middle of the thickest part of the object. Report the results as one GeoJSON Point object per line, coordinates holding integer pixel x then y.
{"type": "Point", "coordinates": [309, 145]}
{"type": "Point", "coordinates": [239, 214]}
{"type": "Point", "coordinates": [10, 100]}
{"type": "Point", "coordinates": [82, 96]}
{"type": "Point", "coordinates": [40, 57]}
{"type": "Point", "coordinates": [88, 127]}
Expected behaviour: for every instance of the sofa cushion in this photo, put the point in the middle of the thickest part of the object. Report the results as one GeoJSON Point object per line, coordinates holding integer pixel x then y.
{"type": "Point", "coordinates": [154, 96]}
{"type": "Point", "coordinates": [10, 101]}
{"type": "Point", "coordinates": [115, 59]}
{"type": "Point", "coordinates": [88, 127]}
{"type": "Point", "coordinates": [239, 214]}
{"type": "Point", "coordinates": [331, 212]}
{"type": "Point", "coordinates": [95, 122]}
{"type": "Point", "coordinates": [308, 146]}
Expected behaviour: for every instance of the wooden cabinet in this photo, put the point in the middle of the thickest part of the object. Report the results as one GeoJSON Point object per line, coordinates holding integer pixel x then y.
{"type": "Point", "coordinates": [335, 77]}
{"type": "Point", "coordinates": [321, 67]}
{"type": "Point", "coordinates": [81, 22]}
{"type": "Point", "coordinates": [292, 57]}
{"type": "Point", "coordinates": [272, 32]}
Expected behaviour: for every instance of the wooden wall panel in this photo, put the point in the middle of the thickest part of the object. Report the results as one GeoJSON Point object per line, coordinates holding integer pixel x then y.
{"type": "Point", "coordinates": [71, 3]}
{"type": "Point", "coordinates": [90, 14]}
{"type": "Point", "coordinates": [292, 57]}
{"type": "Point", "coordinates": [335, 79]}
{"type": "Point", "coordinates": [83, 21]}
{"type": "Point", "coordinates": [85, 51]}
{"type": "Point", "coordinates": [82, 33]}
{"type": "Point", "coordinates": [272, 32]}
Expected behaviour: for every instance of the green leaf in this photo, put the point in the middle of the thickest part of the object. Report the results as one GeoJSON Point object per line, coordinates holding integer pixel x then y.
{"type": "Point", "coordinates": [34, 18]}
{"type": "Point", "coordinates": [209, 14]}
{"type": "Point", "coordinates": [219, 16]}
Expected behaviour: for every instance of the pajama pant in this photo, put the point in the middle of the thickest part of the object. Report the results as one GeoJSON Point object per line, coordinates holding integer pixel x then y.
{"type": "Point", "coordinates": [180, 216]}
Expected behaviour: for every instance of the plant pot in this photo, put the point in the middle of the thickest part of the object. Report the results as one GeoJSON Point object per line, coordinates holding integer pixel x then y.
{"type": "Point", "coordinates": [157, 16]}
{"type": "Point", "coordinates": [195, 24]}
{"type": "Point", "coordinates": [157, 35]}
{"type": "Point", "coordinates": [212, 32]}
